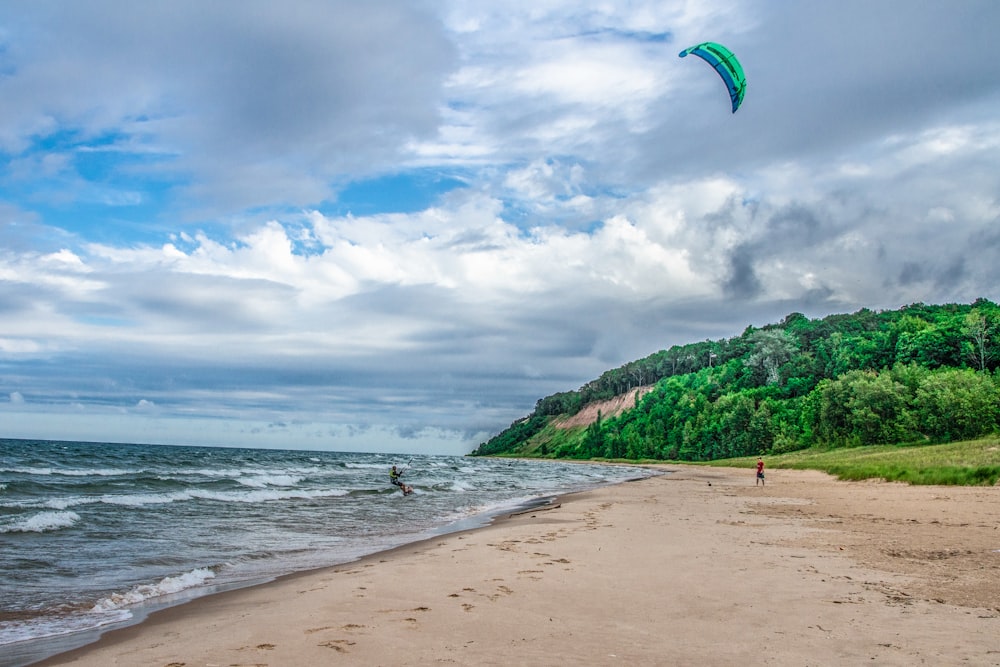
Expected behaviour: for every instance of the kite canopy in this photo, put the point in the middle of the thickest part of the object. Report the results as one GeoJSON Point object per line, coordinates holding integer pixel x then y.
{"type": "Point", "coordinates": [726, 64]}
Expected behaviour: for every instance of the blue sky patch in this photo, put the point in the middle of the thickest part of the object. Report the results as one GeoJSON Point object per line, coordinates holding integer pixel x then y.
{"type": "Point", "coordinates": [405, 192]}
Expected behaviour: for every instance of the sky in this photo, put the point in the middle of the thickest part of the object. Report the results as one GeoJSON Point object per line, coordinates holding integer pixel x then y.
{"type": "Point", "coordinates": [395, 225]}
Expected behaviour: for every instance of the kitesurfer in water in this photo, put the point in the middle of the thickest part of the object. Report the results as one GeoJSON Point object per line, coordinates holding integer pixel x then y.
{"type": "Point", "coordinates": [394, 477]}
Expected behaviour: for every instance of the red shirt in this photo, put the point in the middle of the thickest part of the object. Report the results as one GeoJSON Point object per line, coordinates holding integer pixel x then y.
{"type": "Point", "coordinates": [760, 467]}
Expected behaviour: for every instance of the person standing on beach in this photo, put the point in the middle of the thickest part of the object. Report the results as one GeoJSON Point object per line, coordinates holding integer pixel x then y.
{"type": "Point", "coordinates": [760, 472]}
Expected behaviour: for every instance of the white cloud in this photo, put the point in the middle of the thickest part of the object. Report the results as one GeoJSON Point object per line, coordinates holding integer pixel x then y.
{"type": "Point", "coordinates": [170, 224]}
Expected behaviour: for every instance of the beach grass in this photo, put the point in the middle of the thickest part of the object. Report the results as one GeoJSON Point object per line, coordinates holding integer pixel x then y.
{"type": "Point", "coordinates": [966, 463]}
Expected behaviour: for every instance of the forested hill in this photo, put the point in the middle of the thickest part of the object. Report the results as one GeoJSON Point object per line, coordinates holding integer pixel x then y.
{"type": "Point", "coordinates": [920, 374]}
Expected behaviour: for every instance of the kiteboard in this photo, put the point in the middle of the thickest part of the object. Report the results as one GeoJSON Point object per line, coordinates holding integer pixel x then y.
{"type": "Point", "coordinates": [403, 486]}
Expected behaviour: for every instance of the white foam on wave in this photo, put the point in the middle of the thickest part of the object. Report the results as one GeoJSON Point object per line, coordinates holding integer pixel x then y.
{"type": "Point", "coordinates": [266, 480]}
{"type": "Point", "coordinates": [236, 473]}
{"type": "Point", "coordinates": [260, 494]}
{"type": "Point", "coordinates": [83, 472]}
{"type": "Point", "coordinates": [462, 486]}
{"type": "Point", "coordinates": [367, 466]}
{"type": "Point", "coordinates": [493, 508]}
{"type": "Point", "coordinates": [140, 499]}
{"type": "Point", "coordinates": [42, 522]}
{"type": "Point", "coordinates": [166, 586]}
{"type": "Point", "coordinates": [70, 501]}
{"type": "Point", "coordinates": [17, 631]}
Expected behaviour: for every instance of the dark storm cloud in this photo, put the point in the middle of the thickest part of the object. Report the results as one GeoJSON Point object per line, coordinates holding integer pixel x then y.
{"type": "Point", "coordinates": [742, 281]}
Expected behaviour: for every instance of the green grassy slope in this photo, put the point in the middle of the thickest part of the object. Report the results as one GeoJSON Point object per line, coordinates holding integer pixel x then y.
{"type": "Point", "coordinates": [969, 462]}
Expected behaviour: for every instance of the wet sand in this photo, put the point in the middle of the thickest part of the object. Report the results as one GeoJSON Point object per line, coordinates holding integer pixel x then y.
{"type": "Point", "coordinates": [695, 567]}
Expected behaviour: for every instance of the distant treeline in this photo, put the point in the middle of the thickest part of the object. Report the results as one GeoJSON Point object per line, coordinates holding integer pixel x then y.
{"type": "Point", "coordinates": [920, 374]}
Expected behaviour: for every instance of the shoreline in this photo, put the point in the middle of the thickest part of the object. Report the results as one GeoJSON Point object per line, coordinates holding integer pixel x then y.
{"type": "Point", "coordinates": [699, 565]}
{"type": "Point", "coordinates": [168, 611]}
{"type": "Point", "coordinates": [43, 649]}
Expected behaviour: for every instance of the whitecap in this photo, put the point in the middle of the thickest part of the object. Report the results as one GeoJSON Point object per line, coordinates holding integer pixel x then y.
{"type": "Point", "coordinates": [69, 501]}
{"type": "Point", "coordinates": [264, 495]}
{"type": "Point", "coordinates": [458, 485]}
{"type": "Point", "coordinates": [165, 586]}
{"type": "Point", "coordinates": [88, 472]}
{"type": "Point", "coordinates": [140, 499]}
{"type": "Point", "coordinates": [42, 522]}
{"type": "Point", "coordinates": [28, 471]}
{"type": "Point", "coordinates": [260, 493]}
{"type": "Point", "coordinates": [265, 480]}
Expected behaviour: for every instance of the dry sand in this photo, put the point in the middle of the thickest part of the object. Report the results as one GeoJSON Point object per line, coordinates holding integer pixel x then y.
{"type": "Point", "coordinates": [697, 567]}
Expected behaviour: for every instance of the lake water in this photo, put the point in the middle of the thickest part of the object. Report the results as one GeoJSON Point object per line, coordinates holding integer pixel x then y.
{"type": "Point", "coordinates": [96, 535]}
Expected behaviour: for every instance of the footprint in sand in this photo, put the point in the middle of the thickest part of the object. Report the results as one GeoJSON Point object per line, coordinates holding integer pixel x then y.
{"type": "Point", "coordinates": [258, 647]}
{"type": "Point", "coordinates": [468, 607]}
{"type": "Point", "coordinates": [338, 645]}
{"type": "Point", "coordinates": [310, 590]}
{"type": "Point", "coordinates": [501, 590]}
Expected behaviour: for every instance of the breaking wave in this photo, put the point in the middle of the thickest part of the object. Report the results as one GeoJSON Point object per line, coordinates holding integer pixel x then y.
{"type": "Point", "coordinates": [42, 522]}
{"type": "Point", "coordinates": [165, 586]}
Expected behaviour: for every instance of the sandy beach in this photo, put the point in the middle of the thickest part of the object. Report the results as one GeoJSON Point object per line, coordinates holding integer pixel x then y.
{"type": "Point", "coordinates": [695, 567]}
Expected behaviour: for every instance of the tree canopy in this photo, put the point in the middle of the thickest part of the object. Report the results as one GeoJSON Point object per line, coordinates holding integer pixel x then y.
{"type": "Point", "coordinates": [919, 374]}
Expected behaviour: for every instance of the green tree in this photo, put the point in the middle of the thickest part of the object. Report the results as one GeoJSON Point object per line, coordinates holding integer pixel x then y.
{"type": "Point", "coordinates": [979, 329]}
{"type": "Point", "coordinates": [933, 343]}
{"type": "Point", "coordinates": [593, 439]}
{"type": "Point", "coordinates": [957, 404]}
{"type": "Point", "coordinates": [772, 348]}
{"type": "Point", "coordinates": [863, 378]}
{"type": "Point", "coordinates": [862, 408]}
{"type": "Point", "coordinates": [877, 407]}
